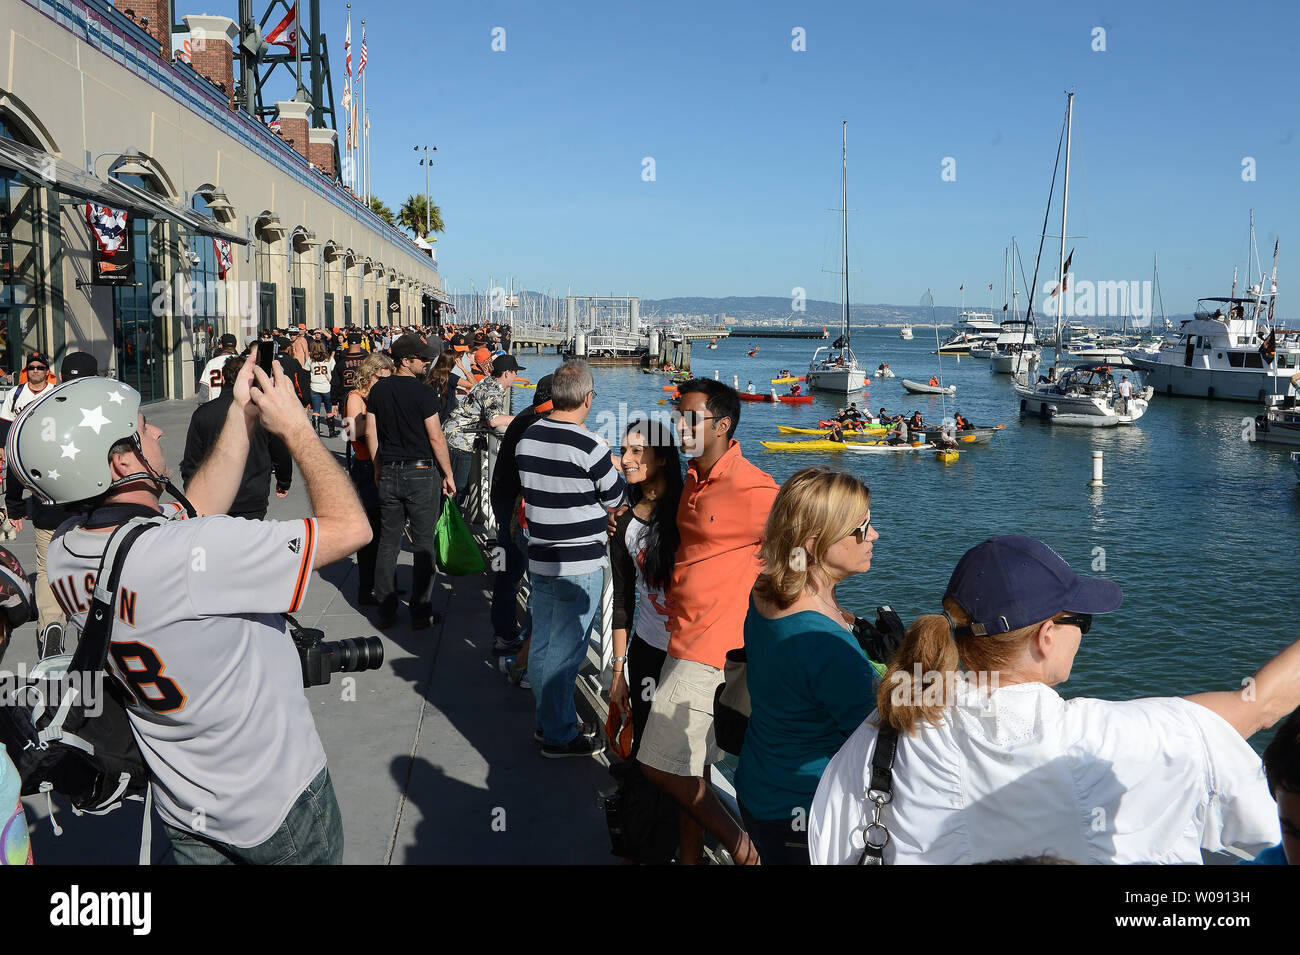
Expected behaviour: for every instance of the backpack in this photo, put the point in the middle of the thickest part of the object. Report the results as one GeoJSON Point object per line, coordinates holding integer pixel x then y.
{"type": "Point", "coordinates": [67, 731]}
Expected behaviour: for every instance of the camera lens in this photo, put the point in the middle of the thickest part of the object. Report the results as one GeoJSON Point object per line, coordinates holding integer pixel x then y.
{"type": "Point", "coordinates": [354, 654]}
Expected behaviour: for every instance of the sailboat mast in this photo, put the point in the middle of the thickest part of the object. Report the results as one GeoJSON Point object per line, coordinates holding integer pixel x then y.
{"type": "Point", "coordinates": [1065, 206]}
{"type": "Point", "coordinates": [844, 212]}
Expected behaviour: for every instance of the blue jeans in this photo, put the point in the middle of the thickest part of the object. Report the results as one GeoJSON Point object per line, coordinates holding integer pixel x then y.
{"type": "Point", "coordinates": [461, 464]}
{"type": "Point", "coordinates": [320, 400]}
{"type": "Point", "coordinates": [564, 609]}
{"type": "Point", "coordinates": [311, 834]}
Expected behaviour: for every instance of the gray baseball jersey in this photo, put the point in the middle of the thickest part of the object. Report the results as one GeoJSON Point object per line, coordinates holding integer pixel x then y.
{"type": "Point", "coordinates": [210, 381]}
{"type": "Point", "coordinates": [214, 682]}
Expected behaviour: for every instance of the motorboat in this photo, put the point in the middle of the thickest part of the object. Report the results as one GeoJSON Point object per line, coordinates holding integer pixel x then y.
{"type": "Point", "coordinates": [1084, 395]}
{"type": "Point", "coordinates": [905, 333]}
{"type": "Point", "coordinates": [1015, 349]}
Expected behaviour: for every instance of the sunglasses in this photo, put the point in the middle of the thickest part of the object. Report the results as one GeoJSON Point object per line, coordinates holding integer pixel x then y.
{"type": "Point", "coordinates": [860, 532]}
{"type": "Point", "coordinates": [1081, 620]}
{"type": "Point", "coordinates": [38, 367]}
{"type": "Point", "coordinates": [693, 420]}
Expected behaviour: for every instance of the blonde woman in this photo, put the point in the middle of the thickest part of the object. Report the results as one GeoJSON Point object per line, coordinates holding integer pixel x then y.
{"type": "Point", "coordinates": [360, 422]}
{"type": "Point", "coordinates": [991, 763]}
{"type": "Point", "coordinates": [810, 683]}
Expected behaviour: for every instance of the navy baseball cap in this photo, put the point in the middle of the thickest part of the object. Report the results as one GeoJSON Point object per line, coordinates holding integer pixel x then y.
{"type": "Point", "coordinates": [1011, 582]}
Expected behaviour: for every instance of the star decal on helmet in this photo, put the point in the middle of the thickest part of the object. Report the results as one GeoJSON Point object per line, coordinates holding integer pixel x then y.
{"type": "Point", "coordinates": [116, 397]}
{"type": "Point", "coordinates": [54, 474]}
{"type": "Point", "coordinates": [94, 418]}
{"type": "Point", "coordinates": [70, 450]}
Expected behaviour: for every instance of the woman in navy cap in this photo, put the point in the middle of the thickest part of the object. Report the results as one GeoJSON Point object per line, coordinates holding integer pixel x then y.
{"type": "Point", "coordinates": [990, 763]}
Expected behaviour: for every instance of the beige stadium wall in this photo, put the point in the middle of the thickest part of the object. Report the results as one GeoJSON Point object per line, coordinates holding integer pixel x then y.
{"type": "Point", "coordinates": [74, 100]}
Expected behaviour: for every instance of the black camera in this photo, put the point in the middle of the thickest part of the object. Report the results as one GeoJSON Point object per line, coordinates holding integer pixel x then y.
{"type": "Point", "coordinates": [320, 657]}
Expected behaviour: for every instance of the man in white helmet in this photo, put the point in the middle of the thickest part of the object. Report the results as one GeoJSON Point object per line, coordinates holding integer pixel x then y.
{"type": "Point", "coordinates": [213, 680]}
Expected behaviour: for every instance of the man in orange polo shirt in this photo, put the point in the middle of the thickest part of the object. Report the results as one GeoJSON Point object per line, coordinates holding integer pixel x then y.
{"type": "Point", "coordinates": [720, 520]}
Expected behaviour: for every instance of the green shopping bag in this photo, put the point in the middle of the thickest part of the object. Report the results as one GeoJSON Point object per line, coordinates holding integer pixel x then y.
{"type": "Point", "coordinates": [458, 552]}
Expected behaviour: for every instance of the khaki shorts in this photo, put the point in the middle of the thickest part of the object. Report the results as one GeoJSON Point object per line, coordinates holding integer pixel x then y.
{"type": "Point", "coordinates": [678, 736]}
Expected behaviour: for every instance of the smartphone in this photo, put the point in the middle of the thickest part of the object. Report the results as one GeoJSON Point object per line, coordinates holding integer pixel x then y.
{"type": "Point", "coordinates": [265, 357]}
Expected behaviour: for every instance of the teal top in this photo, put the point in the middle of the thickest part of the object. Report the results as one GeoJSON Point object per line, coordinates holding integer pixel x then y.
{"type": "Point", "coordinates": [810, 687]}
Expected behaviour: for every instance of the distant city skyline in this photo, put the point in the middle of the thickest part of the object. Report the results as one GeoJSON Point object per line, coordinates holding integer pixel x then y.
{"type": "Point", "coordinates": [542, 174]}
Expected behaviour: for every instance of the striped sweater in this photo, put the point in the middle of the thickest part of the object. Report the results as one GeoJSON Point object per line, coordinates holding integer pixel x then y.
{"type": "Point", "coordinates": [568, 480]}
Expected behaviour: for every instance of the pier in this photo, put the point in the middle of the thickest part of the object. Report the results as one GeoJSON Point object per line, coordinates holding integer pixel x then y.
{"type": "Point", "coordinates": [743, 331]}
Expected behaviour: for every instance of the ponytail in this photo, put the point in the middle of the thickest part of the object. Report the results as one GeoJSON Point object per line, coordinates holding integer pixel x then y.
{"type": "Point", "coordinates": [921, 681]}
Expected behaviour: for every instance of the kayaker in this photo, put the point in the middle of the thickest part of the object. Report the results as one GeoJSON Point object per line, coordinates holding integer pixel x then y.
{"type": "Point", "coordinates": [750, 389]}
{"type": "Point", "coordinates": [962, 423]}
{"type": "Point", "coordinates": [795, 390]}
{"type": "Point", "coordinates": [914, 423]}
{"type": "Point", "coordinates": [992, 763]}
{"type": "Point", "coordinates": [837, 432]}
{"type": "Point", "coordinates": [785, 373]}
{"type": "Point", "coordinates": [898, 431]}
{"type": "Point", "coordinates": [852, 413]}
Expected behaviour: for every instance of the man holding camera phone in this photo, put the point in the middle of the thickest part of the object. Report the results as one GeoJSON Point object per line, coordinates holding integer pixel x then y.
{"type": "Point", "coordinates": [213, 682]}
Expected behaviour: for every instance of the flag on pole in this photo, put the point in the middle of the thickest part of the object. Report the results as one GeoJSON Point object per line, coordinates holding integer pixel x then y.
{"type": "Point", "coordinates": [1065, 278]}
{"type": "Point", "coordinates": [285, 33]}
{"type": "Point", "coordinates": [225, 258]}
{"type": "Point", "coordinates": [361, 64]}
{"type": "Point", "coordinates": [347, 112]}
{"type": "Point", "coordinates": [990, 286]}
{"type": "Point", "coordinates": [347, 45]}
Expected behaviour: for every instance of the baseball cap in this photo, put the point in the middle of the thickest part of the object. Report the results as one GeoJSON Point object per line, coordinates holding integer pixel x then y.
{"type": "Point", "coordinates": [411, 346]}
{"type": "Point", "coordinates": [458, 343]}
{"type": "Point", "coordinates": [503, 363]}
{"type": "Point", "coordinates": [542, 396]}
{"type": "Point", "coordinates": [1011, 581]}
{"type": "Point", "coordinates": [39, 358]}
{"type": "Point", "coordinates": [293, 331]}
{"type": "Point", "coordinates": [354, 338]}
{"type": "Point", "coordinates": [228, 341]}
{"type": "Point", "coordinates": [79, 364]}
{"type": "Point", "coordinates": [481, 355]}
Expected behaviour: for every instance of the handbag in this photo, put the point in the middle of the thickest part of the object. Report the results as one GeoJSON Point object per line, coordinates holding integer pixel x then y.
{"type": "Point", "coordinates": [731, 706]}
{"type": "Point", "coordinates": [642, 818]}
{"type": "Point", "coordinates": [457, 551]}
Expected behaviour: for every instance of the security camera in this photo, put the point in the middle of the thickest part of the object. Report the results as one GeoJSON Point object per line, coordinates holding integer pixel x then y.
{"type": "Point", "coordinates": [194, 258]}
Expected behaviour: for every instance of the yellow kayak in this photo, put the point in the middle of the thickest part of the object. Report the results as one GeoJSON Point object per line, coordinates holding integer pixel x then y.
{"type": "Point", "coordinates": [828, 445]}
{"type": "Point", "coordinates": [788, 381]}
{"type": "Point", "coordinates": [790, 429]}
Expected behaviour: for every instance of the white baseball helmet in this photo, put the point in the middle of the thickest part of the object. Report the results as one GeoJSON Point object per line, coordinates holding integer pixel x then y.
{"type": "Point", "coordinates": [58, 445]}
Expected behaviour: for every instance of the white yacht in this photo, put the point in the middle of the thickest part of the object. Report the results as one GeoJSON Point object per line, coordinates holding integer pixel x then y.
{"type": "Point", "coordinates": [1280, 422]}
{"type": "Point", "coordinates": [835, 368]}
{"type": "Point", "coordinates": [1015, 350]}
{"type": "Point", "coordinates": [1084, 395]}
{"type": "Point", "coordinates": [905, 333]}
{"type": "Point", "coordinates": [1227, 350]}
{"type": "Point", "coordinates": [972, 328]}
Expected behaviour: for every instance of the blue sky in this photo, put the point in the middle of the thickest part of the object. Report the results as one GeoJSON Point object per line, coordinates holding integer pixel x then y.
{"type": "Point", "coordinates": [540, 148]}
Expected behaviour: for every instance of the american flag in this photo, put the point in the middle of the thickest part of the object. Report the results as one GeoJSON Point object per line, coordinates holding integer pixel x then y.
{"type": "Point", "coordinates": [347, 46]}
{"type": "Point", "coordinates": [361, 64]}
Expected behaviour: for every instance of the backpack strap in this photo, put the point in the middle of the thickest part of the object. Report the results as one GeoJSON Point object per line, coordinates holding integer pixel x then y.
{"type": "Point", "coordinates": [92, 651]}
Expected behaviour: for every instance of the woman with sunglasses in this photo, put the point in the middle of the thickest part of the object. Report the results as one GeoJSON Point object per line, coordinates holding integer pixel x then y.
{"type": "Point", "coordinates": [990, 763]}
{"type": "Point", "coordinates": [810, 683]}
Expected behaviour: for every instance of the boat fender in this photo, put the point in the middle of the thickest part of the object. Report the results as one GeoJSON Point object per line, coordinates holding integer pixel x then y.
{"type": "Point", "coordinates": [1048, 411]}
{"type": "Point", "coordinates": [1023, 405]}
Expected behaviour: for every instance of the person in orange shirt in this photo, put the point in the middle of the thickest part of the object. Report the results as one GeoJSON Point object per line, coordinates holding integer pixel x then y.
{"type": "Point", "coordinates": [721, 517]}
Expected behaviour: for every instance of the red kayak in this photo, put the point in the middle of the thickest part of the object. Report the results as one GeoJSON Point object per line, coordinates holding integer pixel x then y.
{"type": "Point", "coordinates": [796, 399]}
{"type": "Point", "coordinates": [745, 396]}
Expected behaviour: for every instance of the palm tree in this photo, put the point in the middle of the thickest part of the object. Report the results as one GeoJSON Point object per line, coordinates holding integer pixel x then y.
{"type": "Point", "coordinates": [380, 208]}
{"type": "Point", "coordinates": [412, 215]}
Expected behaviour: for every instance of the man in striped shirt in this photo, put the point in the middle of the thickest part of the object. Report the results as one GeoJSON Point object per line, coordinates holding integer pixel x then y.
{"type": "Point", "coordinates": [569, 478]}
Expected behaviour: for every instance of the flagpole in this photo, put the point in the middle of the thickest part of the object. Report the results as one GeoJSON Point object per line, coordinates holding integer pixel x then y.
{"type": "Point", "coordinates": [365, 132]}
{"type": "Point", "coordinates": [297, 46]}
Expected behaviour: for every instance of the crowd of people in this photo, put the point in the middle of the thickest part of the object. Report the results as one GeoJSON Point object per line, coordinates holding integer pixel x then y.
{"type": "Point", "coordinates": [946, 741]}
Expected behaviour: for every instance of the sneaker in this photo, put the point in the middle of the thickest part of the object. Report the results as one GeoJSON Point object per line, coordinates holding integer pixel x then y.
{"type": "Point", "coordinates": [49, 641]}
{"type": "Point", "coordinates": [578, 746]}
{"type": "Point", "coordinates": [504, 646]}
{"type": "Point", "coordinates": [520, 678]}
{"type": "Point", "coordinates": [585, 730]}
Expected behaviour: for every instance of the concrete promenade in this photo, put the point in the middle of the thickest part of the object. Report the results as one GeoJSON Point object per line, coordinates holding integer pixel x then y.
{"type": "Point", "coordinates": [433, 761]}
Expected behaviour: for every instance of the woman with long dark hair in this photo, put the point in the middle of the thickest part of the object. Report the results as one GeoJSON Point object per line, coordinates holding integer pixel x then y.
{"type": "Point", "coordinates": [439, 379]}
{"type": "Point", "coordinates": [642, 554]}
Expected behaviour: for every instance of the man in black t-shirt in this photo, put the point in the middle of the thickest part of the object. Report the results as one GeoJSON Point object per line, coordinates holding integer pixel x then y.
{"type": "Point", "coordinates": [346, 364]}
{"type": "Point", "coordinates": [412, 471]}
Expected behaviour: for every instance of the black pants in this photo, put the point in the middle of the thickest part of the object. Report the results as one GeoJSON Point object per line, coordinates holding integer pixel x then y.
{"type": "Point", "coordinates": [414, 494]}
{"type": "Point", "coordinates": [363, 479]}
{"type": "Point", "coordinates": [777, 840]}
{"type": "Point", "coordinates": [644, 662]}
{"type": "Point", "coordinates": [505, 583]}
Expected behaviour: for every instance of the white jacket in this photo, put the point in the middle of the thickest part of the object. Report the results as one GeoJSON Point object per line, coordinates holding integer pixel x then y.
{"type": "Point", "coordinates": [1021, 771]}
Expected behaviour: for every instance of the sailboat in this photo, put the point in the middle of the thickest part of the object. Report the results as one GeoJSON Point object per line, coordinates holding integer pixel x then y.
{"type": "Point", "coordinates": [835, 368]}
{"type": "Point", "coordinates": [1085, 395]}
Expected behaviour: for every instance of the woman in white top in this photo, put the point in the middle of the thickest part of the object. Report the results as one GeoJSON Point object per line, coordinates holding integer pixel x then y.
{"type": "Point", "coordinates": [991, 764]}
{"type": "Point", "coordinates": [322, 370]}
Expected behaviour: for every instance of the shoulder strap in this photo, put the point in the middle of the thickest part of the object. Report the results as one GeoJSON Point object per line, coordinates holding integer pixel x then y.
{"type": "Point", "coordinates": [880, 792]}
{"type": "Point", "coordinates": [92, 651]}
